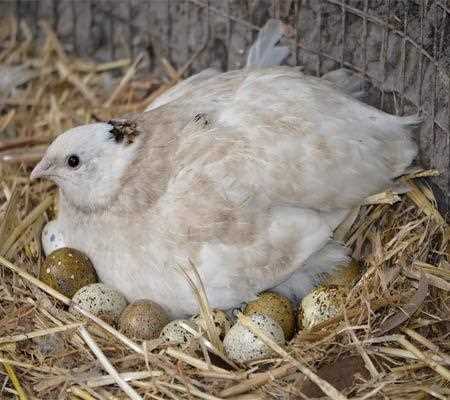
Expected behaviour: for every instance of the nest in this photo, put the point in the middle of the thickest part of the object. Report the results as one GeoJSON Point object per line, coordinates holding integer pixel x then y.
{"type": "Point", "coordinates": [389, 342]}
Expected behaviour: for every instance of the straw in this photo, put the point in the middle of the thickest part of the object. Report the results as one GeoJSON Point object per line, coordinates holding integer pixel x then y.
{"type": "Point", "coordinates": [399, 238]}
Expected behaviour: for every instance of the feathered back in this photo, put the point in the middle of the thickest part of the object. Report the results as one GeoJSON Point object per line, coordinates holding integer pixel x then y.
{"type": "Point", "coordinates": [292, 137]}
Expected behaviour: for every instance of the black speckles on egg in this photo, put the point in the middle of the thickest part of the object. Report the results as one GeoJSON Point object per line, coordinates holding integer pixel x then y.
{"type": "Point", "coordinates": [174, 333]}
{"type": "Point", "coordinates": [220, 319]}
{"type": "Point", "coordinates": [143, 319]}
{"type": "Point", "coordinates": [243, 345]}
{"type": "Point", "coordinates": [321, 304]}
{"type": "Point", "coordinates": [101, 300]}
{"type": "Point", "coordinates": [277, 307]}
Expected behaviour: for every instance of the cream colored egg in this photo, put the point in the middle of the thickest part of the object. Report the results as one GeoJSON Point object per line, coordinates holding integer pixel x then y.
{"type": "Point", "coordinates": [174, 333]}
{"type": "Point", "coordinates": [277, 307]}
{"type": "Point", "coordinates": [52, 238]}
{"type": "Point", "coordinates": [321, 304]}
{"type": "Point", "coordinates": [220, 319]}
{"type": "Point", "coordinates": [101, 300]}
{"type": "Point", "coordinates": [242, 345]}
{"type": "Point", "coordinates": [143, 319]}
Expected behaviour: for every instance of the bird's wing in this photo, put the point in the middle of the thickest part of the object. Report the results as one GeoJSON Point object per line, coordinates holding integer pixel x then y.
{"type": "Point", "coordinates": [182, 88]}
{"type": "Point", "coordinates": [294, 139]}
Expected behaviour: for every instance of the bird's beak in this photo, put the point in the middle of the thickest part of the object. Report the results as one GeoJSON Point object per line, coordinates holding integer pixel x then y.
{"type": "Point", "coordinates": [41, 169]}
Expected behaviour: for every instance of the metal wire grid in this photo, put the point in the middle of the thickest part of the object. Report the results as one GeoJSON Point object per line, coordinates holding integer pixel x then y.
{"type": "Point", "coordinates": [397, 98]}
{"type": "Point", "coordinates": [295, 8]}
{"type": "Point", "coordinates": [223, 30]}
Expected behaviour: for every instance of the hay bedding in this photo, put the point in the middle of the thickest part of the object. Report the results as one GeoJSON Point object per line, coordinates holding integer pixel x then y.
{"type": "Point", "coordinates": [390, 342]}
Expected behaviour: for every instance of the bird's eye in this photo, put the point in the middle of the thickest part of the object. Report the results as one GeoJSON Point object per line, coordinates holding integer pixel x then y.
{"type": "Point", "coordinates": [73, 161]}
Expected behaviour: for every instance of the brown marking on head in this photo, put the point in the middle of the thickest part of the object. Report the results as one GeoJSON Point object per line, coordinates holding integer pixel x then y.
{"type": "Point", "coordinates": [124, 130]}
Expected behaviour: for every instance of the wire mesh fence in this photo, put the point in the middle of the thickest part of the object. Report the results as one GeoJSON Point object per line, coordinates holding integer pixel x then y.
{"type": "Point", "coordinates": [400, 46]}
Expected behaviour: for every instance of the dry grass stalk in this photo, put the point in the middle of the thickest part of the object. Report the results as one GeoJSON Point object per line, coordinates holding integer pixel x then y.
{"type": "Point", "coordinates": [261, 379]}
{"type": "Point", "coordinates": [126, 78]}
{"type": "Point", "coordinates": [195, 362]}
{"type": "Point", "coordinates": [396, 244]}
{"type": "Point", "coordinates": [80, 393]}
{"type": "Point", "coordinates": [422, 357]}
{"type": "Point", "coordinates": [327, 389]}
{"type": "Point", "coordinates": [126, 376]}
{"type": "Point", "coordinates": [193, 278]}
{"type": "Point", "coordinates": [39, 333]}
{"type": "Point", "coordinates": [17, 386]}
{"type": "Point", "coordinates": [190, 389]}
{"type": "Point", "coordinates": [19, 229]}
{"type": "Point", "coordinates": [66, 73]}
{"type": "Point", "coordinates": [106, 364]}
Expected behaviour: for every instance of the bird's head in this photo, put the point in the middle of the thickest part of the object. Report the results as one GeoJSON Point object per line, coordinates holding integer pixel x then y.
{"type": "Point", "coordinates": [88, 163]}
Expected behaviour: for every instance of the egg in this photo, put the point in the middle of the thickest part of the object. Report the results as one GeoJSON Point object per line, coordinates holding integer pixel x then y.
{"type": "Point", "coordinates": [221, 321]}
{"type": "Point", "coordinates": [104, 302]}
{"type": "Point", "coordinates": [322, 303]}
{"type": "Point", "coordinates": [345, 275]}
{"type": "Point", "coordinates": [52, 238]}
{"type": "Point", "coordinates": [67, 270]}
{"type": "Point", "coordinates": [243, 345]}
{"type": "Point", "coordinates": [277, 307]}
{"type": "Point", "coordinates": [174, 333]}
{"type": "Point", "coordinates": [143, 319]}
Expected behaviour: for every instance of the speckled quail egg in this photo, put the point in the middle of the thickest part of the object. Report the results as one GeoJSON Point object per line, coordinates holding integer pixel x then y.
{"type": "Point", "coordinates": [242, 345]}
{"type": "Point", "coordinates": [221, 321]}
{"type": "Point", "coordinates": [101, 300]}
{"type": "Point", "coordinates": [143, 319]}
{"type": "Point", "coordinates": [345, 275]}
{"type": "Point", "coordinates": [277, 307]}
{"type": "Point", "coordinates": [322, 303]}
{"type": "Point", "coordinates": [67, 270]}
{"type": "Point", "coordinates": [174, 333]}
{"type": "Point", "coordinates": [52, 237]}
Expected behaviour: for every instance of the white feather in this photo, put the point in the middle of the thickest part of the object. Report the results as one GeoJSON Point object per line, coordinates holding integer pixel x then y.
{"type": "Point", "coordinates": [266, 52]}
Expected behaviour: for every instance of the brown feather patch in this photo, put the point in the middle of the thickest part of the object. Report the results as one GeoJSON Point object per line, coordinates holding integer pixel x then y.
{"type": "Point", "coordinates": [124, 130]}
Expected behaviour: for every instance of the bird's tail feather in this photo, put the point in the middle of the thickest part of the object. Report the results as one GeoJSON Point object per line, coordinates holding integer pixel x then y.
{"type": "Point", "coordinates": [401, 142]}
{"type": "Point", "coordinates": [266, 52]}
{"type": "Point", "coordinates": [411, 121]}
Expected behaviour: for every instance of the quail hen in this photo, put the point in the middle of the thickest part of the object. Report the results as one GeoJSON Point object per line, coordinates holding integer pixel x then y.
{"type": "Point", "coordinates": [245, 174]}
